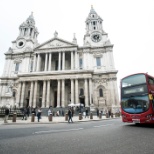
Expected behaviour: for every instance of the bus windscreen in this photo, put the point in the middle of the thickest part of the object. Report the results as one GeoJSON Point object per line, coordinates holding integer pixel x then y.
{"type": "Point", "coordinates": [133, 80]}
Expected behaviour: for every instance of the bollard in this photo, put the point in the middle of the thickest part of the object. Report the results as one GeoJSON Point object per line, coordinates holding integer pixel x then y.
{"type": "Point", "coordinates": [66, 117]}
{"type": "Point", "coordinates": [14, 117]}
{"type": "Point", "coordinates": [107, 115]}
{"type": "Point", "coordinates": [80, 116]}
{"type": "Point", "coordinates": [33, 117]}
{"type": "Point", "coordinates": [100, 115]}
{"type": "Point", "coordinates": [50, 117]}
{"type": "Point", "coordinates": [91, 115]}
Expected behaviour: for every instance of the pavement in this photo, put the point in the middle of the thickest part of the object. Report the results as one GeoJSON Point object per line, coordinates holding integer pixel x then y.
{"type": "Point", "coordinates": [55, 119]}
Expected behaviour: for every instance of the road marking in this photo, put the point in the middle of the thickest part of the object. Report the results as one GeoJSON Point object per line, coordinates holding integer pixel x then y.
{"type": "Point", "coordinates": [53, 131]}
{"type": "Point", "coordinates": [103, 125]}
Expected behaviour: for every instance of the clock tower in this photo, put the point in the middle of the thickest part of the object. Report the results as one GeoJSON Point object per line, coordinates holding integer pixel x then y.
{"type": "Point", "coordinates": [27, 38]}
{"type": "Point", "coordinates": [95, 35]}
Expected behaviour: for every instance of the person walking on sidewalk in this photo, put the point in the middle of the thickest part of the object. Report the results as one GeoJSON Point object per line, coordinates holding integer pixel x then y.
{"type": "Point", "coordinates": [6, 115]}
{"type": "Point", "coordinates": [39, 114]}
{"type": "Point", "coordinates": [70, 115]}
{"type": "Point", "coordinates": [87, 114]}
{"type": "Point", "coordinates": [24, 114]}
{"type": "Point", "coordinates": [49, 111]}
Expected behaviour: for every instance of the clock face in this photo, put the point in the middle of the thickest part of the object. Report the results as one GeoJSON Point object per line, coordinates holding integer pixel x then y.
{"type": "Point", "coordinates": [96, 37]}
{"type": "Point", "coordinates": [20, 43]}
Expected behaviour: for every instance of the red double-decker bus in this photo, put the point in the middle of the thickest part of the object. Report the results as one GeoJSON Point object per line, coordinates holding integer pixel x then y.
{"type": "Point", "coordinates": [137, 98]}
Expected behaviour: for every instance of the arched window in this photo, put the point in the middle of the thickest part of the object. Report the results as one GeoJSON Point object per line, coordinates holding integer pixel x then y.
{"type": "Point", "coordinates": [80, 63]}
{"type": "Point", "coordinates": [14, 94]}
{"type": "Point", "coordinates": [17, 67]}
{"type": "Point", "coordinates": [98, 61]}
{"type": "Point", "coordinates": [100, 92]}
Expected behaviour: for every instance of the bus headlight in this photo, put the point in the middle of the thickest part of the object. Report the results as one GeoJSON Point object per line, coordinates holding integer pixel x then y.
{"type": "Point", "coordinates": [148, 116]}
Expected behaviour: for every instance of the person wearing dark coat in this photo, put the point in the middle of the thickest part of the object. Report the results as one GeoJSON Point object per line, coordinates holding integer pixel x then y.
{"type": "Point", "coordinates": [28, 111]}
{"type": "Point", "coordinates": [39, 114]}
{"type": "Point", "coordinates": [97, 112]}
{"type": "Point", "coordinates": [24, 114]}
{"type": "Point", "coordinates": [70, 115]}
{"type": "Point", "coordinates": [6, 115]}
{"type": "Point", "coordinates": [87, 114]}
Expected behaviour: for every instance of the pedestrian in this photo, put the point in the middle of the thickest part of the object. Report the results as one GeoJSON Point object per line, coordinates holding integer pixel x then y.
{"type": "Point", "coordinates": [63, 113]}
{"type": "Point", "coordinates": [49, 111]}
{"type": "Point", "coordinates": [87, 114]}
{"type": "Point", "coordinates": [109, 113]}
{"type": "Point", "coordinates": [97, 112]}
{"type": "Point", "coordinates": [70, 115]}
{"type": "Point", "coordinates": [84, 114]}
{"type": "Point", "coordinates": [57, 113]}
{"type": "Point", "coordinates": [6, 115]}
{"type": "Point", "coordinates": [28, 111]}
{"type": "Point", "coordinates": [72, 111]}
{"type": "Point", "coordinates": [39, 114]}
{"type": "Point", "coordinates": [53, 113]}
{"type": "Point", "coordinates": [33, 111]}
{"type": "Point", "coordinates": [24, 114]}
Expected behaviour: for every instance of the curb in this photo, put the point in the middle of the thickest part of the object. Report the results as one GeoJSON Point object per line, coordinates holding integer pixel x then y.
{"type": "Point", "coordinates": [55, 122]}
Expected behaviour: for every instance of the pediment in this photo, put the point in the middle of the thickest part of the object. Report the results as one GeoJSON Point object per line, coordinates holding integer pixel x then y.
{"type": "Point", "coordinates": [55, 43]}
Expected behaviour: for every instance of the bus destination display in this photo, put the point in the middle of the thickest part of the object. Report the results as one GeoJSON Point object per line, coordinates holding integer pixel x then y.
{"type": "Point", "coordinates": [134, 90]}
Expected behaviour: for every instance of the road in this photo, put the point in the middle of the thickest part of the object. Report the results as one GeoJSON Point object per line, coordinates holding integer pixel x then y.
{"type": "Point", "coordinates": [105, 137]}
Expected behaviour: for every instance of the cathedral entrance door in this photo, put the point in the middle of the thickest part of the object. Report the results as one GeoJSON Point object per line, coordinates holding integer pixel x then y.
{"type": "Point", "coordinates": [27, 102]}
{"type": "Point", "coordinates": [82, 101]}
{"type": "Point", "coordinates": [55, 99]}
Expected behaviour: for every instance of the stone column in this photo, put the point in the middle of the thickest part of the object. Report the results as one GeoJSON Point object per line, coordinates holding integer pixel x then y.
{"type": "Point", "coordinates": [35, 94]}
{"type": "Point", "coordinates": [50, 57]}
{"type": "Point", "coordinates": [72, 90]}
{"type": "Point", "coordinates": [31, 94]}
{"type": "Point", "coordinates": [18, 96]}
{"type": "Point", "coordinates": [72, 61]}
{"type": "Point", "coordinates": [46, 62]}
{"type": "Point", "coordinates": [63, 61]}
{"type": "Point", "coordinates": [34, 63]}
{"type": "Point", "coordinates": [58, 94]}
{"type": "Point", "coordinates": [76, 61]}
{"type": "Point", "coordinates": [44, 94]}
{"type": "Point", "coordinates": [90, 90]}
{"type": "Point", "coordinates": [76, 91]}
{"type": "Point", "coordinates": [23, 94]}
{"type": "Point", "coordinates": [86, 93]}
{"type": "Point", "coordinates": [22, 31]}
{"type": "Point", "coordinates": [48, 93]}
{"type": "Point", "coordinates": [32, 34]}
{"type": "Point", "coordinates": [28, 32]}
{"type": "Point", "coordinates": [63, 93]}
{"type": "Point", "coordinates": [38, 63]}
{"type": "Point", "coordinates": [59, 61]}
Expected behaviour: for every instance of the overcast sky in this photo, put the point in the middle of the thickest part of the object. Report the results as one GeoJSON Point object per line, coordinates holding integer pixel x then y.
{"type": "Point", "coordinates": [129, 24]}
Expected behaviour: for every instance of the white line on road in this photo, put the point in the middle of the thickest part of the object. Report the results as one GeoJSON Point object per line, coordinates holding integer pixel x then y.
{"type": "Point", "coordinates": [103, 125]}
{"type": "Point", "coordinates": [53, 131]}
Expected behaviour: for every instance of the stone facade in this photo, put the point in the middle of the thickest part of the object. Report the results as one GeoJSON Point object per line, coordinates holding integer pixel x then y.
{"type": "Point", "coordinates": [58, 72]}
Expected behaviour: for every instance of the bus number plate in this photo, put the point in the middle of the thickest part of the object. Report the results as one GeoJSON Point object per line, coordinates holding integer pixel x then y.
{"type": "Point", "coordinates": [136, 120]}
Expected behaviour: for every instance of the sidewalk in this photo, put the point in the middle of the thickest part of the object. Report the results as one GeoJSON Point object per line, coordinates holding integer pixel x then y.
{"type": "Point", "coordinates": [45, 120]}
